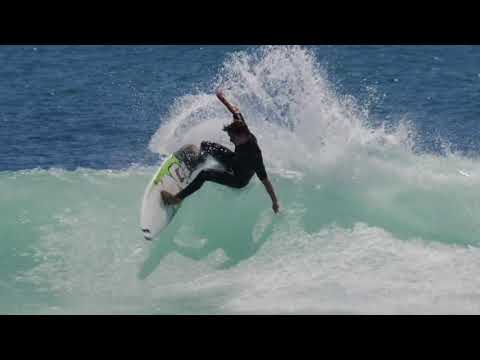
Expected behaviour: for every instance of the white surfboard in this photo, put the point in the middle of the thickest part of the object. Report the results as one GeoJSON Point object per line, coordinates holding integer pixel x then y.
{"type": "Point", "coordinates": [172, 176]}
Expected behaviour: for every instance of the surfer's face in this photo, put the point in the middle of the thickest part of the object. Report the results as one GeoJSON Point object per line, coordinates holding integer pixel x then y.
{"type": "Point", "coordinates": [237, 139]}
{"type": "Point", "coordinates": [233, 138]}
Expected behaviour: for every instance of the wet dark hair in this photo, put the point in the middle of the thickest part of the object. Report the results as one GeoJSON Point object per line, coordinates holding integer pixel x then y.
{"type": "Point", "coordinates": [237, 128]}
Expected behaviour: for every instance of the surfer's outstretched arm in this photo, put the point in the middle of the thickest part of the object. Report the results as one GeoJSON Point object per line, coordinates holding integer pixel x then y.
{"type": "Point", "coordinates": [268, 186]}
{"type": "Point", "coordinates": [233, 109]}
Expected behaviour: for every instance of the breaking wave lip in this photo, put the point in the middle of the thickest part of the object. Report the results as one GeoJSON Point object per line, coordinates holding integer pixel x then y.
{"type": "Point", "coordinates": [368, 225]}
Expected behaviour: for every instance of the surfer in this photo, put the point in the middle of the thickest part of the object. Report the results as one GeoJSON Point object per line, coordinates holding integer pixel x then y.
{"type": "Point", "coordinates": [240, 164]}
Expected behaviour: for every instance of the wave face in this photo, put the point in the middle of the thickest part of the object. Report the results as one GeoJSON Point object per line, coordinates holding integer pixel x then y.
{"type": "Point", "coordinates": [367, 224]}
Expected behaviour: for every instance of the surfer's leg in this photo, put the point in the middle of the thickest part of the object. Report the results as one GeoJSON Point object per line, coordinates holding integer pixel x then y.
{"type": "Point", "coordinates": [220, 153]}
{"type": "Point", "coordinates": [217, 176]}
{"type": "Point", "coordinates": [190, 155]}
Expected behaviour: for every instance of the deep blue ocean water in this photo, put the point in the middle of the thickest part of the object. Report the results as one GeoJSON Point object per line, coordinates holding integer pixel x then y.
{"type": "Point", "coordinates": [97, 106]}
{"type": "Point", "coordinates": [373, 151]}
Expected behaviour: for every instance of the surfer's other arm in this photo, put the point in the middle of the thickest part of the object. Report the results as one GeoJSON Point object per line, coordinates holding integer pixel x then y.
{"type": "Point", "coordinates": [262, 175]}
{"type": "Point", "coordinates": [268, 186]}
{"type": "Point", "coordinates": [233, 109]}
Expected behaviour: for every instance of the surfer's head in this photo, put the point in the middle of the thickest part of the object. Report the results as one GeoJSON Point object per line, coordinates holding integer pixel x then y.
{"type": "Point", "coordinates": [238, 132]}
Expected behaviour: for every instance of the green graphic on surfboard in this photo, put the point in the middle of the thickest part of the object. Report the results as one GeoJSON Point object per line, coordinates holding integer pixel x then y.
{"type": "Point", "coordinates": [173, 176]}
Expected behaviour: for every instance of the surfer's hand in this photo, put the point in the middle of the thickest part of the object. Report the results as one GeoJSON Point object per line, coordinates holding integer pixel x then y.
{"type": "Point", "coordinates": [220, 94]}
{"type": "Point", "coordinates": [275, 208]}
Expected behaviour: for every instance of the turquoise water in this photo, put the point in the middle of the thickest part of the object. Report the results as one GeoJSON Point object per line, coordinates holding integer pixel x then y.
{"type": "Point", "coordinates": [368, 223]}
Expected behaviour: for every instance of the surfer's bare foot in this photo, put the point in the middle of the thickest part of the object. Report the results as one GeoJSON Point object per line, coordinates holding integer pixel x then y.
{"type": "Point", "coordinates": [170, 199]}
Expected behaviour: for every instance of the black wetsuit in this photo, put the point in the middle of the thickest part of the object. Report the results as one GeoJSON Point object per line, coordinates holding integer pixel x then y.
{"type": "Point", "coordinates": [241, 165]}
